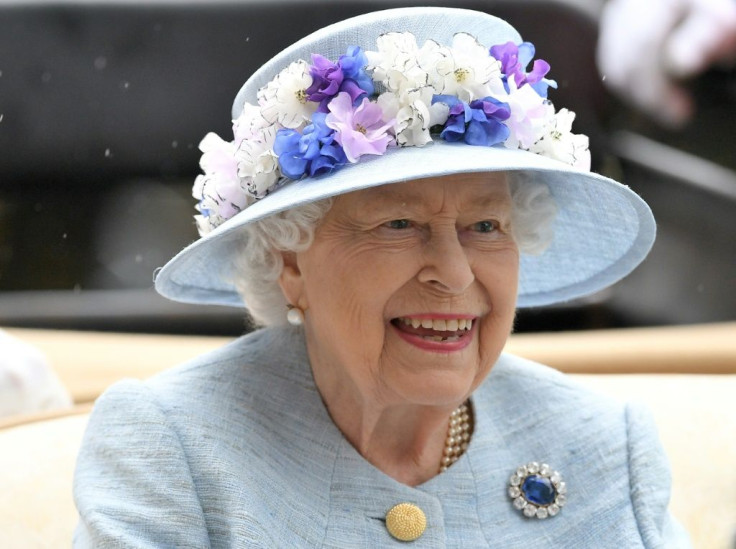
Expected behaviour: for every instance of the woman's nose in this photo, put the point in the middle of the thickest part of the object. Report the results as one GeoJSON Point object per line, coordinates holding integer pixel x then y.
{"type": "Point", "coordinates": [446, 264]}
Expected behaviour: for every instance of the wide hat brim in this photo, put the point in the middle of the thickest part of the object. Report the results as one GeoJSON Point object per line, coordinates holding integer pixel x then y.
{"type": "Point", "coordinates": [602, 230]}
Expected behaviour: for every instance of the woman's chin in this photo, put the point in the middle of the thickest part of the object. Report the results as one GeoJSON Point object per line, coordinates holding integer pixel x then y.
{"type": "Point", "coordinates": [433, 379]}
{"type": "Point", "coordinates": [446, 391]}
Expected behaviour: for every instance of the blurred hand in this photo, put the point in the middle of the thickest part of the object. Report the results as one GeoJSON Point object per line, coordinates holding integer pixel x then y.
{"type": "Point", "coordinates": [647, 47]}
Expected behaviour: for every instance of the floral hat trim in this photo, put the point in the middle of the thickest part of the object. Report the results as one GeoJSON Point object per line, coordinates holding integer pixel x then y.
{"type": "Point", "coordinates": [313, 119]}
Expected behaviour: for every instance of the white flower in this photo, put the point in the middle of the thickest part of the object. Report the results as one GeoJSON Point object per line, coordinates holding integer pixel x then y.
{"type": "Point", "coordinates": [530, 114]}
{"type": "Point", "coordinates": [466, 70]}
{"type": "Point", "coordinates": [396, 63]}
{"type": "Point", "coordinates": [203, 224]}
{"type": "Point", "coordinates": [560, 143]}
{"type": "Point", "coordinates": [284, 99]}
{"type": "Point", "coordinates": [414, 115]}
{"type": "Point", "coordinates": [249, 123]}
{"type": "Point", "coordinates": [206, 206]}
{"type": "Point", "coordinates": [219, 190]}
{"type": "Point", "coordinates": [258, 166]}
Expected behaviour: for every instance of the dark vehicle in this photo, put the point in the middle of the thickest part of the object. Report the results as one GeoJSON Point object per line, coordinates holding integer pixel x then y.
{"type": "Point", "coordinates": [102, 106]}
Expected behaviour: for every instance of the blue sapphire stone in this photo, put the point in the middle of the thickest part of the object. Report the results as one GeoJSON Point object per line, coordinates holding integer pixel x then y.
{"type": "Point", "coordinates": [538, 490]}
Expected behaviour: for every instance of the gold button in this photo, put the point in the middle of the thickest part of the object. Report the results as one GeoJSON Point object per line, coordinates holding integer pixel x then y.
{"type": "Point", "coordinates": [406, 522]}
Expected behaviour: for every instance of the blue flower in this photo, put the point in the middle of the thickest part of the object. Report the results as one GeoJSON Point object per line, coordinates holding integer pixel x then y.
{"type": "Point", "coordinates": [353, 65]}
{"type": "Point", "coordinates": [478, 123]}
{"type": "Point", "coordinates": [314, 151]}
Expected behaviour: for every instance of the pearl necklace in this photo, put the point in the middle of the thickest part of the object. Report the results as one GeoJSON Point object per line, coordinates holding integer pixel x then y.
{"type": "Point", "coordinates": [458, 436]}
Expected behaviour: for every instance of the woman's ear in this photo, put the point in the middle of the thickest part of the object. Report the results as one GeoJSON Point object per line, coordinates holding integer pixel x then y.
{"type": "Point", "coordinates": [292, 282]}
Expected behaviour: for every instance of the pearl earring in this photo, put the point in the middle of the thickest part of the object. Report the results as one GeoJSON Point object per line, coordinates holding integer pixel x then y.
{"type": "Point", "coordinates": [295, 316]}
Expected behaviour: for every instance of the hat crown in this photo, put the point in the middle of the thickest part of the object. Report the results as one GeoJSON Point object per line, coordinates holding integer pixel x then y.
{"type": "Point", "coordinates": [425, 23]}
{"type": "Point", "coordinates": [602, 229]}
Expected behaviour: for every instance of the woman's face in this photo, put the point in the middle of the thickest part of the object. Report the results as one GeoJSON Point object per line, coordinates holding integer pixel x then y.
{"type": "Point", "coordinates": [409, 290]}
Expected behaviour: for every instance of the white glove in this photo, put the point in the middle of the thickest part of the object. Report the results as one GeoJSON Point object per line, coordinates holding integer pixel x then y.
{"type": "Point", "coordinates": [27, 382]}
{"type": "Point", "coordinates": [646, 46]}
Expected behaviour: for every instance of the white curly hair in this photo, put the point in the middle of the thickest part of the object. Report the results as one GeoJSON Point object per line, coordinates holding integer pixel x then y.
{"type": "Point", "coordinates": [259, 261]}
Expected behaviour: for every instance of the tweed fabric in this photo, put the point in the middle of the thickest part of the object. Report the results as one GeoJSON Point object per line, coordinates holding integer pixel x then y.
{"type": "Point", "coordinates": [603, 230]}
{"type": "Point", "coordinates": [236, 449]}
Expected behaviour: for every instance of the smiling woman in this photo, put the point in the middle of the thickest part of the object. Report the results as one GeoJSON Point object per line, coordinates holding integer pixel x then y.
{"type": "Point", "coordinates": [415, 253]}
{"type": "Point", "coordinates": [382, 212]}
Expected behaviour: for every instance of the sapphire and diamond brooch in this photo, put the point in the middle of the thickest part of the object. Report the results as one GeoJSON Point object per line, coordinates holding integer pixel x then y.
{"type": "Point", "coordinates": [537, 490]}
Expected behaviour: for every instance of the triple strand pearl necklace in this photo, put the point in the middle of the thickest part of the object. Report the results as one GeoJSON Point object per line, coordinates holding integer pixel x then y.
{"type": "Point", "coordinates": [458, 436]}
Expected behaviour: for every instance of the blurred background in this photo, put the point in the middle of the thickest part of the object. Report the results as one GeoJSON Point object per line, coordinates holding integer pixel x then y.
{"type": "Point", "coordinates": [103, 104]}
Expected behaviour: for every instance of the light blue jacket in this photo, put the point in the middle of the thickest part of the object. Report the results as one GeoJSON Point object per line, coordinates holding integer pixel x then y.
{"type": "Point", "coordinates": [235, 449]}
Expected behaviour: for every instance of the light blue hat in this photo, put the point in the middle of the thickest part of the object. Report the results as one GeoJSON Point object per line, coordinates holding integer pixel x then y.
{"type": "Point", "coordinates": [602, 230]}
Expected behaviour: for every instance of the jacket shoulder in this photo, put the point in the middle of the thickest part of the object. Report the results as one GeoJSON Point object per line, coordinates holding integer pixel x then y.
{"type": "Point", "coordinates": [258, 361]}
{"type": "Point", "coordinates": [540, 386]}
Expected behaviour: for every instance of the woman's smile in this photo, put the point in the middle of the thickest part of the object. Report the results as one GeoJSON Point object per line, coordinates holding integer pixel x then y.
{"type": "Point", "coordinates": [436, 332]}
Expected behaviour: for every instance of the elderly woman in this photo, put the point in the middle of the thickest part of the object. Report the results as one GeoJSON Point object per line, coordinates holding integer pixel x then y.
{"type": "Point", "coordinates": [398, 184]}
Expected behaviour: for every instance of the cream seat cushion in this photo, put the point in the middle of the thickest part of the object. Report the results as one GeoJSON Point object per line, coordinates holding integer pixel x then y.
{"type": "Point", "coordinates": [36, 470]}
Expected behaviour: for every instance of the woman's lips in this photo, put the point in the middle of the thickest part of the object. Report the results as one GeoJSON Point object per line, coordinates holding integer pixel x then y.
{"type": "Point", "coordinates": [436, 332]}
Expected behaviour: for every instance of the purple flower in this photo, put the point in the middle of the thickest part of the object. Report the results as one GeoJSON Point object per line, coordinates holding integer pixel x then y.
{"type": "Point", "coordinates": [314, 151]}
{"type": "Point", "coordinates": [360, 130]}
{"type": "Point", "coordinates": [327, 78]}
{"type": "Point", "coordinates": [347, 75]}
{"type": "Point", "coordinates": [477, 123]}
{"type": "Point", "coordinates": [514, 61]}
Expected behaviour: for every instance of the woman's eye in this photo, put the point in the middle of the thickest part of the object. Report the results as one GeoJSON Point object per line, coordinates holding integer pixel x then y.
{"type": "Point", "coordinates": [399, 224]}
{"type": "Point", "coordinates": [485, 226]}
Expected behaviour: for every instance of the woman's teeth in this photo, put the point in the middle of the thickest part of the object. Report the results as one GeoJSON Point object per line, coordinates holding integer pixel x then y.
{"type": "Point", "coordinates": [439, 325]}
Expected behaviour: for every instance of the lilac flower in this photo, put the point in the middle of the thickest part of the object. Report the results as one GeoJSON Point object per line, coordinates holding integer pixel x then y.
{"type": "Point", "coordinates": [347, 75]}
{"type": "Point", "coordinates": [477, 123]}
{"type": "Point", "coordinates": [314, 151]}
{"type": "Point", "coordinates": [221, 197]}
{"type": "Point", "coordinates": [218, 155]}
{"type": "Point", "coordinates": [360, 130]}
{"type": "Point", "coordinates": [514, 61]}
{"type": "Point", "coordinates": [219, 190]}
{"type": "Point", "coordinates": [529, 114]}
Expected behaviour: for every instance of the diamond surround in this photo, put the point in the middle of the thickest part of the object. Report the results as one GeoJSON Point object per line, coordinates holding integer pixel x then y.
{"type": "Point", "coordinates": [537, 491]}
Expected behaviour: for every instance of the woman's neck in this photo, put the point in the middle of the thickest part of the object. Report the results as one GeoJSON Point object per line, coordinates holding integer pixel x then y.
{"type": "Point", "coordinates": [405, 441]}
